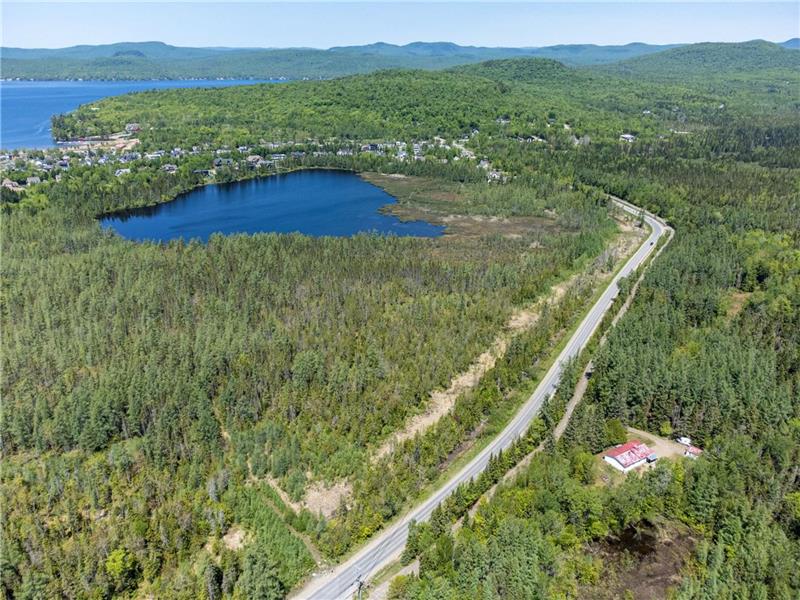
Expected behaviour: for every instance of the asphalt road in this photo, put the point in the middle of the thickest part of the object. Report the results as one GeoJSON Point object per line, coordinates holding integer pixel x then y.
{"type": "Point", "coordinates": [342, 582]}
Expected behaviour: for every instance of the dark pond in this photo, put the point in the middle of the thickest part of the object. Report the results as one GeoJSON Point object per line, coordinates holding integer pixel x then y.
{"type": "Point", "coordinates": [315, 202]}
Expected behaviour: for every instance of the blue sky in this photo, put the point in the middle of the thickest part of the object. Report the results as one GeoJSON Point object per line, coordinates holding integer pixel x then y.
{"type": "Point", "coordinates": [325, 24]}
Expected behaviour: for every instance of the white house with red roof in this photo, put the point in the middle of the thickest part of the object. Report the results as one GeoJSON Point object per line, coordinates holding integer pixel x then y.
{"type": "Point", "coordinates": [629, 456]}
{"type": "Point", "coordinates": [692, 452]}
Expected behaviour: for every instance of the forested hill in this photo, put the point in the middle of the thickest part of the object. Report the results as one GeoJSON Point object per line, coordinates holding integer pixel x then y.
{"type": "Point", "coordinates": [711, 59]}
{"type": "Point", "coordinates": [411, 104]}
{"type": "Point", "coordinates": [156, 60]}
{"type": "Point", "coordinates": [523, 70]}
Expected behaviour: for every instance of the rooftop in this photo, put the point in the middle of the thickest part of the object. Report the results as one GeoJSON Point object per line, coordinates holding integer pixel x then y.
{"type": "Point", "coordinates": [629, 453]}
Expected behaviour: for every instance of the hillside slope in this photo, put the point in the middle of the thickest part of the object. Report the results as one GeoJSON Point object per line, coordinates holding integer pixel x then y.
{"type": "Point", "coordinates": [710, 59]}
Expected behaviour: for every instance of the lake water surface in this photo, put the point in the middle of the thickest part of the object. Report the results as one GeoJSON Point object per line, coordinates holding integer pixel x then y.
{"type": "Point", "coordinates": [26, 106]}
{"type": "Point", "coordinates": [314, 202]}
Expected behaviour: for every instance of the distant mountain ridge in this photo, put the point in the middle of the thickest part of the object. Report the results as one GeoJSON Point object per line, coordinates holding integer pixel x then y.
{"type": "Point", "coordinates": [86, 52]}
{"type": "Point", "coordinates": [157, 60]}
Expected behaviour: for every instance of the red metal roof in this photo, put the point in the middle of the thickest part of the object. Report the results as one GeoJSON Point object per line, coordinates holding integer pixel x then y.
{"type": "Point", "coordinates": [629, 453]}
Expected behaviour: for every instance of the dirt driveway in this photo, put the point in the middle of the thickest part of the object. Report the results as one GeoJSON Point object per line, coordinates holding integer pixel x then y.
{"type": "Point", "coordinates": [662, 447]}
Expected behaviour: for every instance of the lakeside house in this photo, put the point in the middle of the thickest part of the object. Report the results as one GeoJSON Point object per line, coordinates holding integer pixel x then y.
{"type": "Point", "coordinates": [629, 456]}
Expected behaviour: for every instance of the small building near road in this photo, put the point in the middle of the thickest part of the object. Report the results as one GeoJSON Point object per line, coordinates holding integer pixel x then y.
{"type": "Point", "coordinates": [692, 452]}
{"type": "Point", "coordinates": [629, 456]}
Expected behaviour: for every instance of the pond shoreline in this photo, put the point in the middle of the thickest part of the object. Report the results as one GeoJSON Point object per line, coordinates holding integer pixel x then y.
{"type": "Point", "coordinates": [317, 202]}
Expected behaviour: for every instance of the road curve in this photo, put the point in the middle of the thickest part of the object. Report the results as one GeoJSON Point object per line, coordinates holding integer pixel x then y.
{"type": "Point", "coordinates": [342, 582]}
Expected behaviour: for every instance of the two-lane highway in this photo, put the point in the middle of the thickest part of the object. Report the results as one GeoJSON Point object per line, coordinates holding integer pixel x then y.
{"type": "Point", "coordinates": [387, 546]}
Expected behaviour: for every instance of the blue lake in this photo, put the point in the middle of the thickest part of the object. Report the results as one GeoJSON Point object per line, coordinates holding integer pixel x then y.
{"type": "Point", "coordinates": [26, 106]}
{"type": "Point", "coordinates": [314, 202]}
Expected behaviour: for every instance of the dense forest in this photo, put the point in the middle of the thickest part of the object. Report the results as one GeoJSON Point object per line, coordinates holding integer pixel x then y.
{"type": "Point", "coordinates": [154, 393]}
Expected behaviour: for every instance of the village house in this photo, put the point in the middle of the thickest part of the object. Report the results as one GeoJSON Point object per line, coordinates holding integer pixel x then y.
{"type": "Point", "coordinates": [223, 162]}
{"type": "Point", "coordinates": [129, 157]}
{"type": "Point", "coordinates": [692, 452]}
{"type": "Point", "coordinates": [629, 456]}
{"type": "Point", "coordinates": [12, 186]}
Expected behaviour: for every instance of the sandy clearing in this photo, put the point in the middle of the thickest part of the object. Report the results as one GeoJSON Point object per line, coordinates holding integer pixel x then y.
{"type": "Point", "coordinates": [234, 539]}
{"type": "Point", "coordinates": [326, 499]}
{"type": "Point", "coordinates": [319, 497]}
